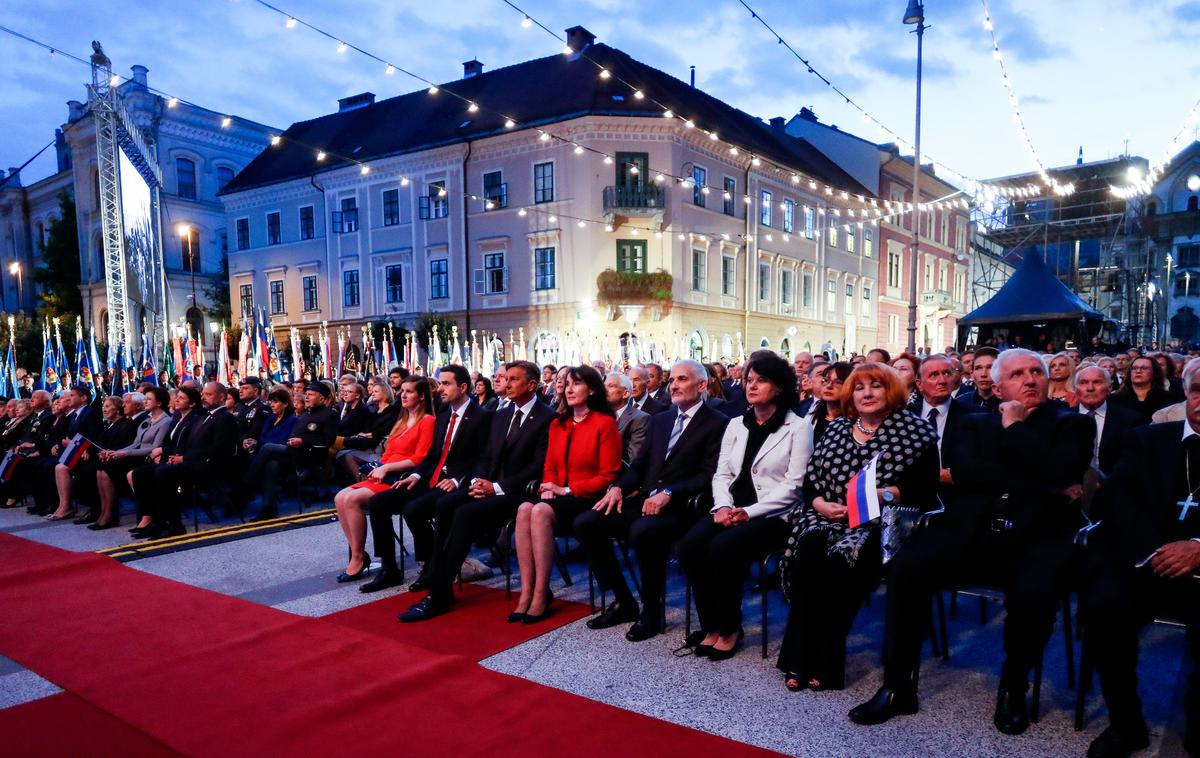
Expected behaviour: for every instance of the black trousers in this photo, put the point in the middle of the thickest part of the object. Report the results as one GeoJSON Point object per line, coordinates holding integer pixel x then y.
{"type": "Point", "coordinates": [826, 593]}
{"type": "Point", "coordinates": [1118, 601]}
{"type": "Point", "coordinates": [1032, 569]}
{"type": "Point", "coordinates": [42, 482]}
{"type": "Point", "coordinates": [595, 532]}
{"type": "Point", "coordinates": [155, 488]}
{"type": "Point", "coordinates": [717, 560]}
{"type": "Point", "coordinates": [418, 508]}
{"type": "Point", "coordinates": [458, 520]}
{"type": "Point", "coordinates": [270, 470]}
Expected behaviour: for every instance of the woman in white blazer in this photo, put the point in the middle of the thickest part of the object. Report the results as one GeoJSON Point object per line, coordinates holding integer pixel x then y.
{"type": "Point", "coordinates": [758, 481]}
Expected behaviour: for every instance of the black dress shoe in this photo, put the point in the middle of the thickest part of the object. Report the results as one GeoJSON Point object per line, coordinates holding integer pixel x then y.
{"type": "Point", "coordinates": [716, 654]}
{"type": "Point", "coordinates": [643, 630]}
{"type": "Point", "coordinates": [614, 615]}
{"type": "Point", "coordinates": [265, 515]}
{"type": "Point", "coordinates": [382, 581]}
{"type": "Point", "coordinates": [886, 703]}
{"type": "Point", "coordinates": [515, 618]}
{"type": "Point", "coordinates": [424, 610]}
{"type": "Point", "coordinates": [98, 526]}
{"type": "Point", "coordinates": [695, 638]}
{"type": "Point", "coordinates": [164, 531]}
{"type": "Point", "coordinates": [1012, 715]}
{"type": "Point", "coordinates": [1114, 744]}
{"type": "Point", "coordinates": [90, 517]}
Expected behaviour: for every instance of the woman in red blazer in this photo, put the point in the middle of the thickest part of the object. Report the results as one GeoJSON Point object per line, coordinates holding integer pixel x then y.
{"type": "Point", "coordinates": [583, 457]}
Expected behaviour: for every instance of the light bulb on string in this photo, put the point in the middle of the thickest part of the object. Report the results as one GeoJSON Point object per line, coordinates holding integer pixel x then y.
{"type": "Point", "coordinates": [637, 95]}
{"type": "Point", "coordinates": [509, 123]}
{"type": "Point", "coordinates": [526, 22]}
{"type": "Point", "coordinates": [522, 213]}
{"type": "Point", "coordinates": [320, 155]}
{"type": "Point", "coordinates": [365, 170]}
{"type": "Point", "coordinates": [433, 89]}
{"type": "Point", "coordinates": [472, 108]}
{"type": "Point", "coordinates": [579, 149]}
{"type": "Point", "coordinates": [604, 73]}
{"type": "Point", "coordinates": [544, 137]}
{"type": "Point", "coordinates": [290, 23]}
{"type": "Point", "coordinates": [172, 102]}
{"type": "Point", "coordinates": [342, 47]}
{"type": "Point", "coordinates": [226, 122]}
{"type": "Point", "coordinates": [608, 160]}
{"type": "Point", "coordinates": [404, 181]}
{"type": "Point", "coordinates": [275, 139]}
{"type": "Point", "coordinates": [389, 69]}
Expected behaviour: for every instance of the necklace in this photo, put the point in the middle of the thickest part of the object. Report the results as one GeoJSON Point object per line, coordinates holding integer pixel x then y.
{"type": "Point", "coordinates": [858, 424]}
{"type": "Point", "coordinates": [1189, 502]}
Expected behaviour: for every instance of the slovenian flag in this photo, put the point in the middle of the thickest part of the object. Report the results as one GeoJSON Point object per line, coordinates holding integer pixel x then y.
{"type": "Point", "coordinates": [862, 496]}
{"type": "Point", "coordinates": [9, 465]}
{"type": "Point", "coordinates": [74, 451]}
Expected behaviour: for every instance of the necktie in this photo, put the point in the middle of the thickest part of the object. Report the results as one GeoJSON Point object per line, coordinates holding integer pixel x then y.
{"type": "Point", "coordinates": [437, 472]}
{"type": "Point", "coordinates": [678, 430]}
{"type": "Point", "coordinates": [1095, 443]}
{"type": "Point", "coordinates": [513, 428]}
{"type": "Point", "coordinates": [933, 416]}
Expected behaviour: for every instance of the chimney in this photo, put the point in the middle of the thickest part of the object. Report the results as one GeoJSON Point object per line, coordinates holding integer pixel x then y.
{"type": "Point", "coordinates": [75, 111]}
{"type": "Point", "coordinates": [14, 177]}
{"type": "Point", "coordinates": [579, 39]}
{"type": "Point", "coordinates": [693, 77]}
{"type": "Point", "coordinates": [472, 68]}
{"type": "Point", "coordinates": [778, 122]}
{"type": "Point", "coordinates": [808, 114]}
{"type": "Point", "coordinates": [1079, 160]}
{"type": "Point", "coordinates": [139, 75]}
{"type": "Point", "coordinates": [361, 100]}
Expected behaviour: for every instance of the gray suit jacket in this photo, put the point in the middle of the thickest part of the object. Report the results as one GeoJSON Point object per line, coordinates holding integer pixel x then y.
{"type": "Point", "coordinates": [634, 426]}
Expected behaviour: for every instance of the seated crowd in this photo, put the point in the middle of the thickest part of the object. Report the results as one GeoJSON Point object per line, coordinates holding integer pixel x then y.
{"type": "Point", "coordinates": [985, 466]}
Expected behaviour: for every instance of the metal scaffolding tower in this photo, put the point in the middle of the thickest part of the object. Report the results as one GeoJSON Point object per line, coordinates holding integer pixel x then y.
{"type": "Point", "coordinates": [115, 133]}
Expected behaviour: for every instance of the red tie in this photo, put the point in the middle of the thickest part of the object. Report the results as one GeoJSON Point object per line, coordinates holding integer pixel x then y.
{"type": "Point", "coordinates": [437, 472]}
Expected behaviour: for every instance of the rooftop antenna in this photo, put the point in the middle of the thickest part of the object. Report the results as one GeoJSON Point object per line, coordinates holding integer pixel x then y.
{"type": "Point", "coordinates": [693, 76]}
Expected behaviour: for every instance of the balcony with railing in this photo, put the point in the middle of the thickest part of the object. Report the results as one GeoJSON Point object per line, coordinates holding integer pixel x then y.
{"type": "Point", "coordinates": [937, 300]}
{"type": "Point", "coordinates": [634, 200]}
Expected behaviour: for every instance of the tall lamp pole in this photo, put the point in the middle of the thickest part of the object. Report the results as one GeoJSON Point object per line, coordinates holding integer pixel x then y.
{"type": "Point", "coordinates": [14, 268]}
{"type": "Point", "coordinates": [185, 238]}
{"type": "Point", "coordinates": [915, 14]}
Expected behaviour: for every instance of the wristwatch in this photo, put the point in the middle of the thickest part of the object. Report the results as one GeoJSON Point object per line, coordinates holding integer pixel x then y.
{"type": "Point", "coordinates": [887, 497]}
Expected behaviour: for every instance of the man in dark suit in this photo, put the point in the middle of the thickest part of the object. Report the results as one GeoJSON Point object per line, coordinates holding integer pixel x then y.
{"type": "Point", "coordinates": [657, 386]}
{"type": "Point", "coordinates": [1012, 520]}
{"type": "Point", "coordinates": [81, 418]}
{"type": "Point", "coordinates": [251, 411]}
{"type": "Point", "coordinates": [650, 502]}
{"type": "Point", "coordinates": [210, 444]}
{"type": "Point", "coordinates": [936, 379]}
{"type": "Point", "coordinates": [545, 392]}
{"type": "Point", "coordinates": [1143, 560]}
{"type": "Point", "coordinates": [1092, 386]}
{"type": "Point", "coordinates": [634, 425]}
{"type": "Point", "coordinates": [312, 435]}
{"type": "Point", "coordinates": [642, 399]}
{"type": "Point", "coordinates": [460, 433]}
{"type": "Point", "coordinates": [515, 454]}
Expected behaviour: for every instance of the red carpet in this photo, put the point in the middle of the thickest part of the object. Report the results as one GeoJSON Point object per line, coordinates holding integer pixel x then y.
{"type": "Point", "coordinates": [207, 674]}
{"type": "Point", "coordinates": [475, 628]}
{"type": "Point", "coordinates": [63, 724]}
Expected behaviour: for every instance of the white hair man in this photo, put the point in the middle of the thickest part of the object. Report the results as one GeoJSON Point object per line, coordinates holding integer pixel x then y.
{"type": "Point", "coordinates": [1178, 411]}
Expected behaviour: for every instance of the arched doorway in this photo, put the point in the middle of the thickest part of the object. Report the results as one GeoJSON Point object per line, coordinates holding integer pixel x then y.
{"type": "Point", "coordinates": [195, 322]}
{"type": "Point", "coordinates": [696, 345]}
{"type": "Point", "coordinates": [785, 348]}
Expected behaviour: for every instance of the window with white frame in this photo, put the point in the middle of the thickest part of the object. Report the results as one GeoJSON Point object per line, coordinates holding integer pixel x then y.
{"type": "Point", "coordinates": [728, 274]}
{"type": "Point", "coordinates": [729, 199]}
{"type": "Point", "coordinates": [764, 216]}
{"type": "Point", "coordinates": [960, 287]}
{"type": "Point", "coordinates": [393, 283]}
{"type": "Point", "coordinates": [543, 182]}
{"type": "Point", "coordinates": [242, 230]}
{"type": "Point", "coordinates": [274, 233]}
{"type": "Point", "coordinates": [699, 184]}
{"type": "Point", "coordinates": [806, 289]}
{"type": "Point", "coordinates": [893, 328]}
{"type": "Point", "coordinates": [866, 306]}
{"type": "Point", "coordinates": [868, 241]}
{"type": "Point", "coordinates": [764, 281]}
{"type": "Point", "coordinates": [246, 295]}
{"type": "Point", "coordinates": [277, 297]}
{"type": "Point", "coordinates": [309, 288]}
{"type": "Point", "coordinates": [495, 191]}
{"type": "Point", "coordinates": [943, 276]}
{"type": "Point", "coordinates": [928, 273]}
{"type": "Point", "coordinates": [810, 222]}
{"type": "Point", "coordinates": [544, 274]}
{"type": "Point", "coordinates": [350, 293]}
{"type": "Point", "coordinates": [894, 262]}
{"type": "Point", "coordinates": [439, 279]}
{"type": "Point", "coordinates": [785, 286]}
{"type": "Point", "coordinates": [849, 297]}
{"type": "Point", "coordinates": [391, 207]}
{"type": "Point", "coordinates": [699, 268]}
{"type": "Point", "coordinates": [945, 228]}
{"type": "Point", "coordinates": [307, 223]}
{"type": "Point", "coordinates": [960, 235]}
{"type": "Point", "coordinates": [851, 239]}
{"type": "Point", "coordinates": [789, 216]}
{"type": "Point", "coordinates": [831, 296]}
{"type": "Point", "coordinates": [494, 275]}
{"type": "Point", "coordinates": [833, 235]}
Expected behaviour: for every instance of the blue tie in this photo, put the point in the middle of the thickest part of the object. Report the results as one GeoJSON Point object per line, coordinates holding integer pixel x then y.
{"type": "Point", "coordinates": [678, 430]}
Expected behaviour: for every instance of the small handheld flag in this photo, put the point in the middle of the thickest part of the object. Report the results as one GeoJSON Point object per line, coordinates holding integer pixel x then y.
{"type": "Point", "coordinates": [8, 465]}
{"type": "Point", "coordinates": [862, 496]}
{"type": "Point", "coordinates": [74, 451]}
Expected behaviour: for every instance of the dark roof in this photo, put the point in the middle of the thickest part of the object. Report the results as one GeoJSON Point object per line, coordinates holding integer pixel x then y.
{"type": "Point", "coordinates": [534, 93]}
{"type": "Point", "coordinates": [1032, 293]}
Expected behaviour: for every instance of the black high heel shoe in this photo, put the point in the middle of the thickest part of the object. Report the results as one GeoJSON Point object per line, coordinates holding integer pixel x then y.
{"type": "Point", "coordinates": [724, 655]}
{"type": "Point", "coordinates": [533, 619]}
{"type": "Point", "coordinates": [98, 525]}
{"type": "Point", "coordinates": [343, 577]}
{"type": "Point", "coordinates": [516, 618]}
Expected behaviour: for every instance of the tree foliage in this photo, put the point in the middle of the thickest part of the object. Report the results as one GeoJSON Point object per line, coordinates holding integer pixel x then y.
{"type": "Point", "coordinates": [57, 275]}
{"type": "Point", "coordinates": [424, 330]}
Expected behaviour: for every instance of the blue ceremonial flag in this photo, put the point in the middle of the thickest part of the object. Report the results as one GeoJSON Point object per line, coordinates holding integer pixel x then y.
{"type": "Point", "coordinates": [118, 377]}
{"type": "Point", "coordinates": [64, 365]}
{"type": "Point", "coordinates": [149, 369]}
{"type": "Point", "coordinates": [94, 354]}
{"type": "Point", "coordinates": [49, 379]}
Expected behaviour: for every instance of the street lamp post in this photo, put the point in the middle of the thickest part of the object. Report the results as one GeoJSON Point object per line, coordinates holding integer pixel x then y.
{"type": "Point", "coordinates": [915, 14]}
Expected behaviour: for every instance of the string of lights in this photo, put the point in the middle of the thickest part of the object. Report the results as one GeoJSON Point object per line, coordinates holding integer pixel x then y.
{"type": "Point", "coordinates": [1143, 185]}
{"type": "Point", "coordinates": [971, 185]}
{"type": "Point", "coordinates": [872, 215]}
{"type": "Point", "coordinates": [990, 27]}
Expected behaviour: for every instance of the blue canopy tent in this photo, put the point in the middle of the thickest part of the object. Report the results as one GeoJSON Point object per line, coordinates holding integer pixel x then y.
{"type": "Point", "coordinates": [1034, 309]}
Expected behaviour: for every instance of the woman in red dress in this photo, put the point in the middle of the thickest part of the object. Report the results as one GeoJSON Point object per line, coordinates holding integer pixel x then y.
{"type": "Point", "coordinates": [583, 457]}
{"type": "Point", "coordinates": [407, 445]}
